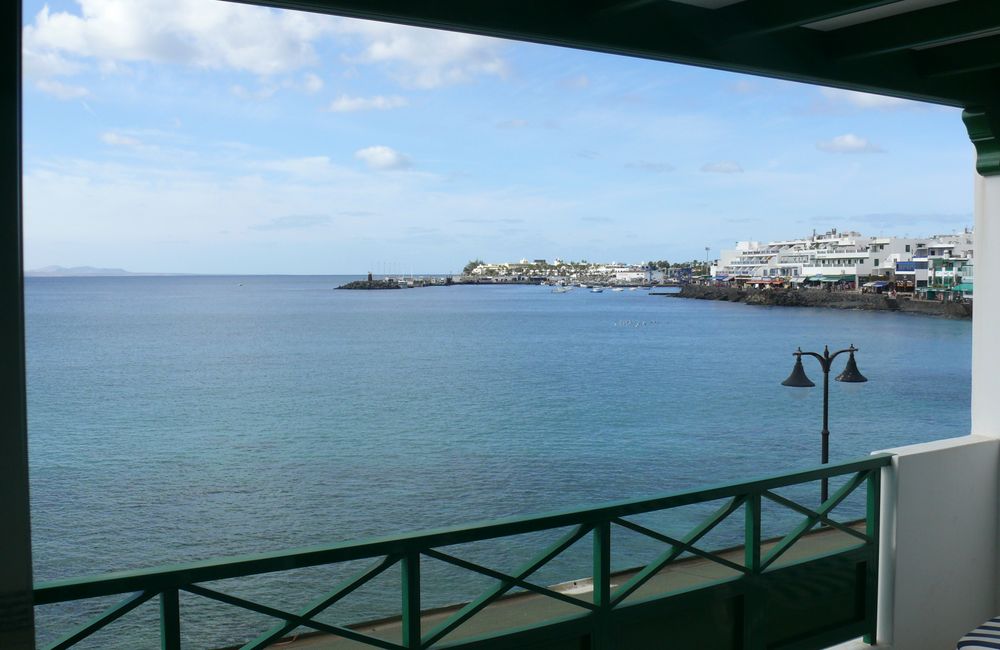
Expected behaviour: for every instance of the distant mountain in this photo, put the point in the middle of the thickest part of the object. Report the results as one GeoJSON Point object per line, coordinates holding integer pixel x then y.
{"type": "Point", "coordinates": [54, 271]}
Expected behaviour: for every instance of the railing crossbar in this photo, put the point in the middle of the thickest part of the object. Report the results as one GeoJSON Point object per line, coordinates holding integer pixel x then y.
{"type": "Point", "coordinates": [489, 596]}
{"type": "Point", "coordinates": [323, 603]}
{"type": "Point", "coordinates": [823, 519]}
{"type": "Point", "coordinates": [499, 575]}
{"type": "Point", "coordinates": [109, 615]}
{"type": "Point", "coordinates": [811, 520]}
{"type": "Point", "coordinates": [684, 546]}
{"type": "Point", "coordinates": [669, 556]}
{"type": "Point", "coordinates": [337, 630]}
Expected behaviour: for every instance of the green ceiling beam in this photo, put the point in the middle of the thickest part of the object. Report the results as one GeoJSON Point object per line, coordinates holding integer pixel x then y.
{"type": "Point", "coordinates": [666, 31]}
{"type": "Point", "coordinates": [615, 6]}
{"type": "Point", "coordinates": [960, 58]}
{"type": "Point", "coordinates": [768, 16]}
{"type": "Point", "coordinates": [983, 125]}
{"type": "Point", "coordinates": [930, 26]}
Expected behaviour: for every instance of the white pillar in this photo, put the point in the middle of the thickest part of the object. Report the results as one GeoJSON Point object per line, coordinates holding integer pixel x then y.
{"type": "Point", "coordinates": [986, 309]}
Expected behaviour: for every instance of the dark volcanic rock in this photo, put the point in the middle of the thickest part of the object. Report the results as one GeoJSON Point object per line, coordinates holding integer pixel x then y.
{"type": "Point", "coordinates": [829, 299]}
{"type": "Point", "coordinates": [370, 284]}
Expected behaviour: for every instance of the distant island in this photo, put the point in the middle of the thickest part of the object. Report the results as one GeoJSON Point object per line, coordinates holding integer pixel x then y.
{"type": "Point", "coordinates": [63, 271]}
{"type": "Point", "coordinates": [87, 272]}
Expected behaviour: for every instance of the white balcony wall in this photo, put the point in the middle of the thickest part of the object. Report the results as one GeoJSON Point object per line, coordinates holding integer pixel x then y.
{"type": "Point", "coordinates": [938, 562]}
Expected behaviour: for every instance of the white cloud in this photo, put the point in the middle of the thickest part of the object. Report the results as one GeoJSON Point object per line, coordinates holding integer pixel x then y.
{"type": "Point", "coordinates": [314, 168]}
{"type": "Point", "coordinates": [293, 222]}
{"type": "Point", "coordinates": [382, 158]}
{"type": "Point", "coordinates": [312, 83]}
{"type": "Point", "coordinates": [578, 82]}
{"type": "Point", "coordinates": [119, 140]}
{"type": "Point", "coordinates": [47, 64]}
{"type": "Point", "coordinates": [108, 34]}
{"type": "Point", "coordinates": [865, 100]}
{"type": "Point", "coordinates": [262, 93]}
{"type": "Point", "coordinates": [426, 58]}
{"type": "Point", "coordinates": [347, 104]}
{"type": "Point", "coordinates": [652, 167]}
{"type": "Point", "coordinates": [723, 167]}
{"type": "Point", "coordinates": [60, 90]}
{"type": "Point", "coordinates": [210, 35]}
{"type": "Point", "coordinates": [848, 143]}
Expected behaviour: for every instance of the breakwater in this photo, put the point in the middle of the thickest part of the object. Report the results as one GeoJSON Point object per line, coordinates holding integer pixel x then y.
{"type": "Point", "coordinates": [829, 299]}
{"type": "Point", "coordinates": [370, 285]}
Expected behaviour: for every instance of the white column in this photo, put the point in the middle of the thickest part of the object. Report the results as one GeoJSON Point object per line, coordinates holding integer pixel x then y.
{"type": "Point", "coordinates": [986, 310]}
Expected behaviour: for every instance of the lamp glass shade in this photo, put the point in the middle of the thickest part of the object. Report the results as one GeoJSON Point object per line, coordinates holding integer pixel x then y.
{"type": "Point", "coordinates": [851, 373]}
{"type": "Point", "coordinates": [798, 377]}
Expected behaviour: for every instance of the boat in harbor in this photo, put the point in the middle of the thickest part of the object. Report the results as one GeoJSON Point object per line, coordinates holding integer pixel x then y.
{"type": "Point", "coordinates": [562, 289]}
{"type": "Point", "coordinates": [596, 289]}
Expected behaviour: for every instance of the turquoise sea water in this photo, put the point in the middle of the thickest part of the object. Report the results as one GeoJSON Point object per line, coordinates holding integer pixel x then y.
{"type": "Point", "coordinates": [181, 418]}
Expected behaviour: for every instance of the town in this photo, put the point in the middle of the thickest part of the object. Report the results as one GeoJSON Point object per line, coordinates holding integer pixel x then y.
{"type": "Point", "coordinates": [924, 266]}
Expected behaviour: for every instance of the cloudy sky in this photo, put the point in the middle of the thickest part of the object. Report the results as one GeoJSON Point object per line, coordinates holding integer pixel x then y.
{"type": "Point", "coordinates": [210, 137]}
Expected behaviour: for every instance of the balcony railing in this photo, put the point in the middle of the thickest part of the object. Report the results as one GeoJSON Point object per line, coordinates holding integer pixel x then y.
{"type": "Point", "coordinates": [770, 598]}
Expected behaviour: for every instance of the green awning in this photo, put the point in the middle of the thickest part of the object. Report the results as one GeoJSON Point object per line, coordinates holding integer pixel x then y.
{"type": "Point", "coordinates": [965, 287]}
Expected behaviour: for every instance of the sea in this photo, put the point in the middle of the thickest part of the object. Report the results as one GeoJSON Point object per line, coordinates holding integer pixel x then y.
{"type": "Point", "coordinates": [183, 418]}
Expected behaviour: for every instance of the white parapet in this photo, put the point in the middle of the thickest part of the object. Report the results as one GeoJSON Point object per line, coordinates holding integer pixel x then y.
{"type": "Point", "coordinates": [938, 566]}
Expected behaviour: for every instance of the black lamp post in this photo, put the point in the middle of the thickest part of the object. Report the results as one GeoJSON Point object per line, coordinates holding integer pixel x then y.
{"type": "Point", "coordinates": [798, 379]}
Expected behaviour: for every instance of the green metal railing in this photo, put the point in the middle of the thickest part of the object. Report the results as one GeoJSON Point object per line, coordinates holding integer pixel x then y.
{"type": "Point", "coordinates": [812, 602]}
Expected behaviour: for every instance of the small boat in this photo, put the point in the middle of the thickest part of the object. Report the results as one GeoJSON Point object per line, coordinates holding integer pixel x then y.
{"type": "Point", "coordinates": [632, 288]}
{"type": "Point", "coordinates": [618, 289]}
{"type": "Point", "coordinates": [562, 289]}
{"type": "Point", "coordinates": [596, 289]}
{"type": "Point", "coordinates": [583, 286]}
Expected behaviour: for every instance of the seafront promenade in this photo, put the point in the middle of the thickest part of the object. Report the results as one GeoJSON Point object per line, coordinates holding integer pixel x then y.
{"type": "Point", "coordinates": [526, 609]}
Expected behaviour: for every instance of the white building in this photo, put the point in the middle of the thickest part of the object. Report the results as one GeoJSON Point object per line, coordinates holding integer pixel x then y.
{"type": "Point", "coordinates": [834, 254]}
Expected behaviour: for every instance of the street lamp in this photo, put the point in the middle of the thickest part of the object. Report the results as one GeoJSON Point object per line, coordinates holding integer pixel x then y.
{"type": "Point", "coordinates": [798, 379]}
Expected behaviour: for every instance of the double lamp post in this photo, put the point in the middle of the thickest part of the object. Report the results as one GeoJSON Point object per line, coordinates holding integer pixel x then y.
{"type": "Point", "coordinates": [798, 379]}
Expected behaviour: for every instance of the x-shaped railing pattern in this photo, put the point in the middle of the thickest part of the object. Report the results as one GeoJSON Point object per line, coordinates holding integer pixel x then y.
{"type": "Point", "coordinates": [406, 551]}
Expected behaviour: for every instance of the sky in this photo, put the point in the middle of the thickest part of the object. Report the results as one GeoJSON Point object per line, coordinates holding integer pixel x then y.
{"type": "Point", "coordinates": [198, 136]}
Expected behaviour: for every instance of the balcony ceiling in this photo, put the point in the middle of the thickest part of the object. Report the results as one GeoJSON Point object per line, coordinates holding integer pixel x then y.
{"type": "Point", "coordinates": [942, 51]}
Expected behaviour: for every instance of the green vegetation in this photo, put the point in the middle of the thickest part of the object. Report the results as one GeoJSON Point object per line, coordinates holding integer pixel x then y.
{"type": "Point", "coordinates": [471, 266]}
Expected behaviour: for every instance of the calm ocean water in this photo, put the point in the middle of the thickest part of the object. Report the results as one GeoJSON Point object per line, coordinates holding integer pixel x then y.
{"type": "Point", "coordinates": [181, 418]}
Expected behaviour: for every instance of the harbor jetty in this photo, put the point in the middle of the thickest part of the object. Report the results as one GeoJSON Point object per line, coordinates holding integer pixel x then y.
{"type": "Point", "coordinates": [370, 284]}
{"type": "Point", "coordinates": [829, 299]}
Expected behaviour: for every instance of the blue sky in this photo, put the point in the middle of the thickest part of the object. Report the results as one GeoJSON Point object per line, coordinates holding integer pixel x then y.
{"type": "Point", "coordinates": [210, 137]}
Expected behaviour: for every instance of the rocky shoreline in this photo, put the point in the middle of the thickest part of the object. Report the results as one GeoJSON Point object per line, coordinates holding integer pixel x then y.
{"type": "Point", "coordinates": [828, 299]}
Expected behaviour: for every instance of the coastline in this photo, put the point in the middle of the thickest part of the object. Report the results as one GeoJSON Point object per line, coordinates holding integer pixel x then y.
{"type": "Point", "coordinates": [827, 299]}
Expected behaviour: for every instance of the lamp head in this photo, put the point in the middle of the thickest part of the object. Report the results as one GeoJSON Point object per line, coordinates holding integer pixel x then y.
{"type": "Point", "coordinates": [798, 377]}
{"type": "Point", "coordinates": [851, 373]}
